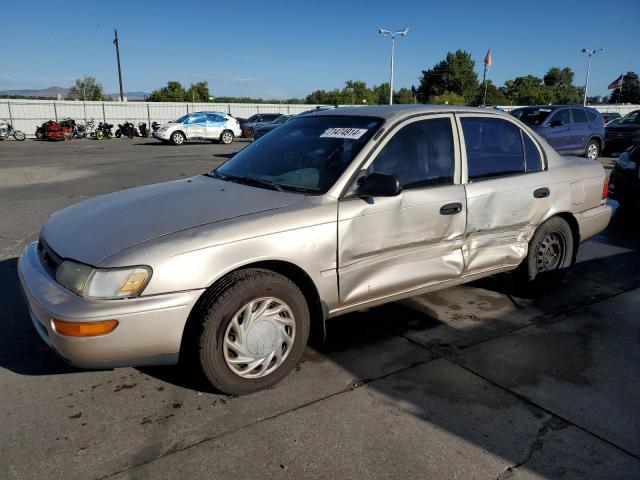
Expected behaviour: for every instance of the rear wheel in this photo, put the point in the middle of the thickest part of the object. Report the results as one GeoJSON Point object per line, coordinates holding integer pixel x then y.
{"type": "Point", "coordinates": [251, 331]}
{"type": "Point", "coordinates": [226, 137]}
{"type": "Point", "coordinates": [177, 138]}
{"type": "Point", "coordinates": [550, 253]}
{"type": "Point", "coordinates": [593, 150]}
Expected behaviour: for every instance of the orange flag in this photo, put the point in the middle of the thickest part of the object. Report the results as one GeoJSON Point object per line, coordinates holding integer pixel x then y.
{"type": "Point", "coordinates": [487, 58]}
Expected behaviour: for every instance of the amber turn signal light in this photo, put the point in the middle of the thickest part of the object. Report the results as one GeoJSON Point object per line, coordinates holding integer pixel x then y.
{"type": "Point", "coordinates": [84, 329]}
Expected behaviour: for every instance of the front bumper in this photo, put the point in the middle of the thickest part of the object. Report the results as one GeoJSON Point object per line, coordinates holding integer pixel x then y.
{"type": "Point", "coordinates": [149, 331]}
{"type": "Point", "coordinates": [165, 135]}
{"type": "Point", "coordinates": [593, 221]}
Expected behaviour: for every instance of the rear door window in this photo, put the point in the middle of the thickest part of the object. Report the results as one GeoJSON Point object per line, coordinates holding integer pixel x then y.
{"type": "Point", "coordinates": [592, 116]}
{"type": "Point", "coordinates": [494, 147]}
{"type": "Point", "coordinates": [579, 116]}
{"type": "Point", "coordinates": [533, 162]}
{"type": "Point", "coordinates": [563, 115]}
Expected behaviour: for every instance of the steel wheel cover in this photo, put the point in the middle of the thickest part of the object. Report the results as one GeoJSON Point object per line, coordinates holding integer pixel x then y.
{"type": "Point", "coordinates": [551, 252]}
{"type": "Point", "coordinates": [259, 337]}
{"type": "Point", "coordinates": [592, 151]}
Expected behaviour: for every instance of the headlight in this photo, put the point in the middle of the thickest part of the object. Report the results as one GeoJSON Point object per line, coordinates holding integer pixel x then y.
{"type": "Point", "coordinates": [104, 283]}
{"type": "Point", "coordinates": [624, 163]}
{"type": "Point", "coordinates": [163, 129]}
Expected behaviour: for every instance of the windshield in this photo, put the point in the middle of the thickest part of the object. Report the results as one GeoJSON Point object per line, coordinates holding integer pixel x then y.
{"type": "Point", "coordinates": [532, 116]}
{"type": "Point", "coordinates": [182, 118]}
{"type": "Point", "coordinates": [305, 154]}
{"type": "Point", "coordinates": [631, 117]}
{"type": "Point", "coordinates": [281, 119]}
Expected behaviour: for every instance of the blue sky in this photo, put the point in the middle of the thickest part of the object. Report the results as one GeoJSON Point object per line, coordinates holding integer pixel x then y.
{"type": "Point", "coordinates": [279, 49]}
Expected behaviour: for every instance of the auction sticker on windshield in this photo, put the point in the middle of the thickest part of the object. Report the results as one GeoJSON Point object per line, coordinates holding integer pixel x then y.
{"type": "Point", "coordinates": [350, 133]}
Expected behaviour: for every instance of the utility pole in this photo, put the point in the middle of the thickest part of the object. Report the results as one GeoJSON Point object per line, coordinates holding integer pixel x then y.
{"type": "Point", "coordinates": [115, 42]}
{"type": "Point", "coordinates": [487, 63]}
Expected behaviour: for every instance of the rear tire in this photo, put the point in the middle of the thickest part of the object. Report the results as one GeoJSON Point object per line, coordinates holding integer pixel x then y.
{"type": "Point", "coordinates": [239, 346]}
{"type": "Point", "coordinates": [226, 137]}
{"type": "Point", "coordinates": [550, 255]}
{"type": "Point", "coordinates": [177, 138]}
{"type": "Point", "coordinates": [592, 152]}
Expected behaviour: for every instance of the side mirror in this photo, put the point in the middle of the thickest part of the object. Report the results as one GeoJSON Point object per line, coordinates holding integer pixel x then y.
{"type": "Point", "coordinates": [556, 123]}
{"type": "Point", "coordinates": [379, 184]}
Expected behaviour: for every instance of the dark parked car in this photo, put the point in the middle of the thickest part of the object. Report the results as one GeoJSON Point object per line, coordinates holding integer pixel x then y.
{"type": "Point", "coordinates": [255, 121]}
{"type": "Point", "coordinates": [624, 181]}
{"type": "Point", "coordinates": [267, 127]}
{"type": "Point", "coordinates": [622, 135]}
{"type": "Point", "coordinates": [611, 117]}
{"type": "Point", "coordinates": [571, 130]}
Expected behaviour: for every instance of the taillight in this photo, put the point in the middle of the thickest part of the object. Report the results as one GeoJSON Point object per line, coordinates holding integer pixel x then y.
{"type": "Point", "coordinates": [605, 189]}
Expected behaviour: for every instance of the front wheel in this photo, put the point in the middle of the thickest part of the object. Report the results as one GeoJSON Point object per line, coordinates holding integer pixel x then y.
{"type": "Point", "coordinates": [248, 132]}
{"type": "Point", "coordinates": [177, 138]}
{"type": "Point", "coordinates": [99, 135]}
{"type": "Point", "coordinates": [118, 134]}
{"type": "Point", "coordinates": [252, 333]}
{"type": "Point", "coordinates": [226, 137]}
{"type": "Point", "coordinates": [19, 136]}
{"type": "Point", "coordinates": [550, 254]}
{"type": "Point", "coordinates": [593, 150]}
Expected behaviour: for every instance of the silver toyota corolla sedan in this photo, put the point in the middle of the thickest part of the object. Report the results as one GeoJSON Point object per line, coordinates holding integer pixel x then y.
{"type": "Point", "coordinates": [330, 213]}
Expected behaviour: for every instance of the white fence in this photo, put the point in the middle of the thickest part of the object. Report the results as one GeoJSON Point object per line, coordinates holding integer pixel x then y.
{"type": "Point", "coordinates": [621, 109]}
{"type": "Point", "coordinates": [26, 115]}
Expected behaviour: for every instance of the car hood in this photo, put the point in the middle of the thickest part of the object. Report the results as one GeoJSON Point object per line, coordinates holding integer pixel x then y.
{"type": "Point", "coordinates": [91, 231]}
{"type": "Point", "coordinates": [619, 127]}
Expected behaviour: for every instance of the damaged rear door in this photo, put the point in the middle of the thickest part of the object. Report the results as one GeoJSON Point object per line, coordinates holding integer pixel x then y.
{"type": "Point", "coordinates": [392, 245]}
{"type": "Point", "coordinates": [508, 191]}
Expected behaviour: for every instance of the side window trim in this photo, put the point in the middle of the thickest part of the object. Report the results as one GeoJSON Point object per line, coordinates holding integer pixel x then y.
{"type": "Point", "coordinates": [463, 148]}
{"type": "Point", "coordinates": [393, 131]}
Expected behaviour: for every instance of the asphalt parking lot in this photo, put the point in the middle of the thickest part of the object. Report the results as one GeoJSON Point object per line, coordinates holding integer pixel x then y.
{"type": "Point", "coordinates": [469, 382]}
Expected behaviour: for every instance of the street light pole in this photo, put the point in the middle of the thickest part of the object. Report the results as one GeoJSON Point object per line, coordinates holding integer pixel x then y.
{"type": "Point", "coordinates": [590, 53]}
{"type": "Point", "coordinates": [384, 33]}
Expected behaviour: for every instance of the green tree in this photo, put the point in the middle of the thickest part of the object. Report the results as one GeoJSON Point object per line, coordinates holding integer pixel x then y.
{"type": "Point", "coordinates": [630, 90]}
{"type": "Point", "coordinates": [198, 92]}
{"type": "Point", "coordinates": [86, 88]}
{"type": "Point", "coordinates": [561, 82]}
{"type": "Point", "coordinates": [448, 98]}
{"type": "Point", "coordinates": [173, 92]}
{"type": "Point", "coordinates": [494, 95]}
{"type": "Point", "coordinates": [454, 74]}
{"type": "Point", "coordinates": [404, 95]}
{"type": "Point", "coordinates": [528, 90]}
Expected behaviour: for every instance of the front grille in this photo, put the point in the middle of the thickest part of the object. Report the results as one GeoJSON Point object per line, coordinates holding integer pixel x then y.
{"type": "Point", "coordinates": [620, 134]}
{"type": "Point", "coordinates": [49, 259]}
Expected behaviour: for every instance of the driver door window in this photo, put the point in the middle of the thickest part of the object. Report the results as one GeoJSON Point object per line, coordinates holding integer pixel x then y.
{"type": "Point", "coordinates": [195, 127]}
{"type": "Point", "coordinates": [388, 245]}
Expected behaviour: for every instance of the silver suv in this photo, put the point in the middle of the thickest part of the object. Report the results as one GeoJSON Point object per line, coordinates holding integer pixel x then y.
{"type": "Point", "coordinates": [330, 213]}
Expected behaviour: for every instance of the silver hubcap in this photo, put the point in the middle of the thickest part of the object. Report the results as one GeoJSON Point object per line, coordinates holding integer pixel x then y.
{"type": "Point", "coordinates": [592, 152]}
{"type": "Point", "coordinates": [226, 137]}
{"type": "Point", "coordinates": [178, 138]}
{"type": "Point", "coordinates": [259, 337]}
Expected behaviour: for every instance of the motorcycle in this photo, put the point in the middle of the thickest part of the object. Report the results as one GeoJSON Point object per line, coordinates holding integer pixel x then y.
{"type": "Point", "coordinates": [104, 131]}
{"type": "Point", "coordinates": [155, 126]}
{"type": "Point", "coordinates": [90, 128]}
{"type": "Point", "coordinates": [7, 130]}
{"type": "Point", "coordinates": [77, 129]}
{"type": "Point", "coordinates": [55, 131]}
{"type": "Point", "coordinates": [125, 129]}
{"type": "Point", "coordinates": [142, 128]}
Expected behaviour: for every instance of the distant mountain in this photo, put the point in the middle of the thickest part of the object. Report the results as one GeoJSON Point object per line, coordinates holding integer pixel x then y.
{"type": "Point", "coordinates": [54, 91]}
{"type": "Point", "coordinates": [45, 92]}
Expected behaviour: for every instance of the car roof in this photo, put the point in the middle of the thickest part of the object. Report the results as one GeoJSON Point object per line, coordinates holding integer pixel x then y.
{"type": "Point", "coordinates": [390, 112]}
{"type": "Point", "coordinates": [217, 113]}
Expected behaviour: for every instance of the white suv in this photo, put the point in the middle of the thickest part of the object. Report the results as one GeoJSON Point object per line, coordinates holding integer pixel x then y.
{"type": "Point", "coordinates": [214, 126]}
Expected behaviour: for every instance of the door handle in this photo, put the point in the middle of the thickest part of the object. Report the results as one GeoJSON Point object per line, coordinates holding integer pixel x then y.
{"type": "Point", "coordinates": [451, 209]}
{"type": "Point", "coordinates": [543, 192]}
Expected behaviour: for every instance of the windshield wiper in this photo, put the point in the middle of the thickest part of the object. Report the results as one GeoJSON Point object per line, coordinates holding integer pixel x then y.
{"type": "Point", "coordinates": [246, 180]}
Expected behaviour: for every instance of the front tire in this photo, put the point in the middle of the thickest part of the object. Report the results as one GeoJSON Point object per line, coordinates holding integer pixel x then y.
{"type": "Point", "coordinates": [248, 132]}
{"type": "Point", "coordinates": [99, 135]}
{"type": "Point", "coordinates": [226, 137]}
{"type": "Point", "coordinates": [177, 138]}
{"type": "Point", "coordinates": [551, 253]}
{"type": "Point", "coordinates": [252, 331]}
{"type": "Point", "coordinates": [592, 152]}
{"type": "Point", "coordinates": [19, 136]}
